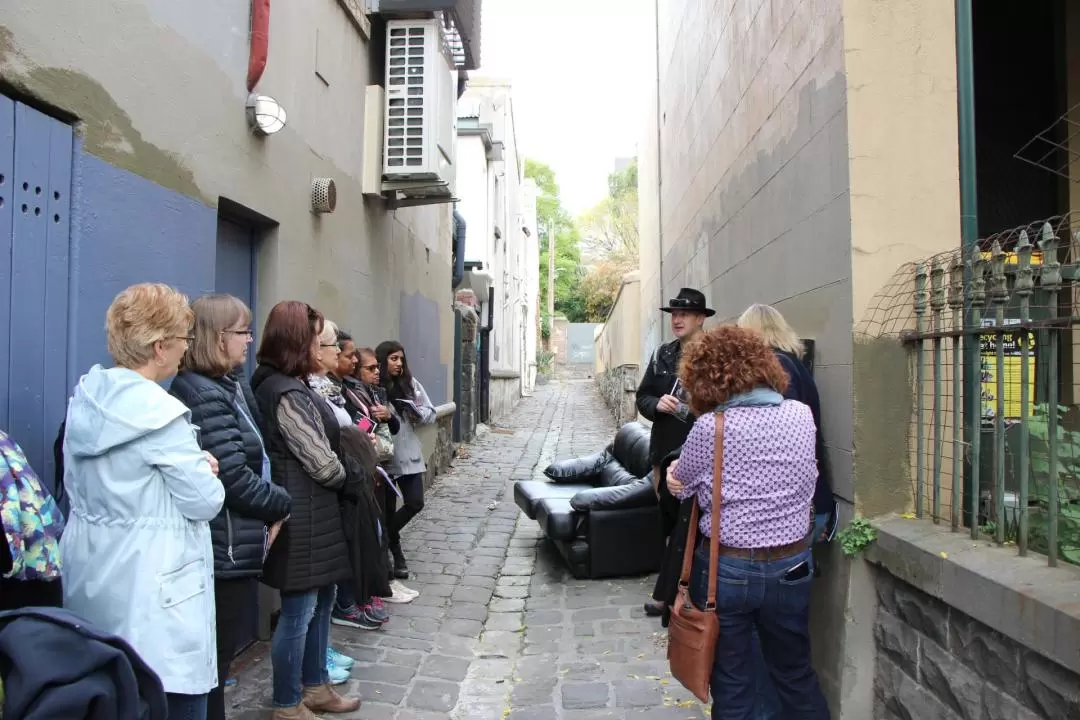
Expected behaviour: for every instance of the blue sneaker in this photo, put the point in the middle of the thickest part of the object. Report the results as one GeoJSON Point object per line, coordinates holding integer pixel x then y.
{"type": "Point", "coordinates": [342, 661]}
{"type": "Point", "coordinates": [337, 675]}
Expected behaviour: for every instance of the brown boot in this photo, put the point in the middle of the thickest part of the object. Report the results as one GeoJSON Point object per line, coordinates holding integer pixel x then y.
{"type": "Point", "coordinates": [323, 698]}
{"type": "Point", "coordinates": [300, 712]}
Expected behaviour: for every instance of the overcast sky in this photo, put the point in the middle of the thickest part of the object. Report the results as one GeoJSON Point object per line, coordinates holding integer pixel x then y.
{"type": "Point", "coordinates": [577, 67]}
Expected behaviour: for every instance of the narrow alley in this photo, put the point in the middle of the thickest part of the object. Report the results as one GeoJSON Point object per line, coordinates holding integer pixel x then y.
{"type": "Point", "coordinates": [501, 630]}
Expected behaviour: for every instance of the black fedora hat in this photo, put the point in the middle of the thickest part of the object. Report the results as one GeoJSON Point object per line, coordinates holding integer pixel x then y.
{"type": "Point", "coordinates": [689, 300]}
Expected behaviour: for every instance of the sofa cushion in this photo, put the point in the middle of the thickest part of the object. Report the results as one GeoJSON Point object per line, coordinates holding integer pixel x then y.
{"type": "Point", "coordinates": [614, 474]}
{"type": "Point", "coordinates": [631, 449]}
{"type": "Point", "coordinates": [559, 520]}
{"type": "Point", "coordinates": [527, 493]}
{"type": "Point", "coordinates": [577, 469]}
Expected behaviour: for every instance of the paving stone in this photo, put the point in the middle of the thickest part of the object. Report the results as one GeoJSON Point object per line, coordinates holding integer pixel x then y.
{"type": "Point", "coordinates": [501, 629]}
{"type": "Point", "coordinates": [433, 695]}
{"type": "Point", "coordinates": [445, 668]}
{"type": "Point", "coordinates": [584, 695]}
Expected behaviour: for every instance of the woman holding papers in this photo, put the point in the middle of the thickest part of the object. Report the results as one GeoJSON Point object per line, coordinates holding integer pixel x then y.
{"type": "Point", "coordinates": [410, 403]}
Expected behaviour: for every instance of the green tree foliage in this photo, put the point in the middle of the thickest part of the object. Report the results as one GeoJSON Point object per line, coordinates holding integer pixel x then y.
{"type": "Point", "coordinates": [610, 229]}
{"type": "Point", "coordinates": [568, 272]}
{"type": "Point", "coordinates": [610, 237]}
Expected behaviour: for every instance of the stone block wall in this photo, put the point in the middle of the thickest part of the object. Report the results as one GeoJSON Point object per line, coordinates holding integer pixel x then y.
{"type": "Point", "coordinates": [933, 661]}
{"type": "Point", "coordinates": [469, 402]}
{"type": "Point", "coordinates": [618, 386]}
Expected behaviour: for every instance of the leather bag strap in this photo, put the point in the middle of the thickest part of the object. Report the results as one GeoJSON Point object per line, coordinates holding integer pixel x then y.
{"type": "Point", "coordinates": [688, 551]}
{"type": "Point", "coordinates": [717, 495]}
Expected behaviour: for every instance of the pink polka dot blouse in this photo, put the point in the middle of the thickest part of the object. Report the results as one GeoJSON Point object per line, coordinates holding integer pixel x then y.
{"type": "Point", "coordinates": [770, 470]}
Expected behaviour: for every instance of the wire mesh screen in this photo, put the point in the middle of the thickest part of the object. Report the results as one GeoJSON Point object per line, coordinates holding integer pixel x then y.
{"type": "Point", "coordinates": [994, 366]}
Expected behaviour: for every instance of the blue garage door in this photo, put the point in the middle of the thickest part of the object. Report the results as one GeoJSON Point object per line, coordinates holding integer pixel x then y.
{"type": "Point", "coordinates": [35, 183]}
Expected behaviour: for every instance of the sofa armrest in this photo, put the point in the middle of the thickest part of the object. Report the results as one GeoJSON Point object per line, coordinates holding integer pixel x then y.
{"type": "Point", "coordinates": [582, 470]}
{"type": "Point", "coordinates": [637, 494]}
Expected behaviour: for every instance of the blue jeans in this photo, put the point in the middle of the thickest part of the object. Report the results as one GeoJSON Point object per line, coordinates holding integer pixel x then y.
{"type": "Point", "coordinates": [767, 705]}
{"type": "Point", "coordinates": [754, 595]}
{"type": "Point", "coordinates": [346, 598]}
{"type": "Point", "coordinates": [298, 648]}
{"type": "Point", "coordinates": [186, 707]}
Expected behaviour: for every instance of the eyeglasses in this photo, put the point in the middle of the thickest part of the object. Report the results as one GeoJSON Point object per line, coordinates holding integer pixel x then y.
{"type": "Point", "coordinates": [189, 338]}
{"type": "Point", "coordinates": [370, 368]}
{"type": "Point", "coordinates": [329, 345]}
{"type": "Point", "coordinates": [248, 332]}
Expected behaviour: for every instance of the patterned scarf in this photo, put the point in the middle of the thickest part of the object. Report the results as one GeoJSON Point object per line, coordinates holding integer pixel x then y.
{"type": "Point", "coordinates": [31, 519]}
{"type": "Point", "coordinates": [327, 388]}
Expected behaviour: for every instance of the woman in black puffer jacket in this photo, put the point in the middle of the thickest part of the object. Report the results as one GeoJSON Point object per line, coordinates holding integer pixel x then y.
{"type": "Point", "coordinates": [212, 386]}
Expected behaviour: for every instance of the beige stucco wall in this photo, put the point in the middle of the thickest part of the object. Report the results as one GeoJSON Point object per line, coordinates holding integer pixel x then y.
{"type": "Point", "coordinates": [807, 151]}
{"type": "Point", "coordinates": [159, 88]}
{"type": "Point", "coordinates": [652, 325]}
{"type": "Point", "coordinates": [618, 340]}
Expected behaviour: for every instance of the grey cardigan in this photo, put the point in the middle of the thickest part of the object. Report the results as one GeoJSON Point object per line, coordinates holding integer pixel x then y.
{"type": "Point", "coordinates": [408, 455]}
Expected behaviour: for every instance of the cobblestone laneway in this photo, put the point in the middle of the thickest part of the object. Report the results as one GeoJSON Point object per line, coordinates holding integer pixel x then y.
{"type": "Point", "coordinates": [501, 630]}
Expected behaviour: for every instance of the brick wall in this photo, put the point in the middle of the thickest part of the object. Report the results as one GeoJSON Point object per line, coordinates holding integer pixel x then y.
{"type": "Point", "coordinates": [933, 661]}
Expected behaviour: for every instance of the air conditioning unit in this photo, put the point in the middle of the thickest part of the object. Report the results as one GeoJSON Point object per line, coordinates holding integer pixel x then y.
{"type": "Point", "coordinates": [421, 105]}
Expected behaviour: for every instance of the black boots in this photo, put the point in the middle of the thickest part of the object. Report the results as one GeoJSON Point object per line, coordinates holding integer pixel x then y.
{"type": "Point", "coordinates": [401, 568]}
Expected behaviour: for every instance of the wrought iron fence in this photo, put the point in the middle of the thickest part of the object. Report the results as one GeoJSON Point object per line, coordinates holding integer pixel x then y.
{"type": "Point", "coordinates": [994, 352]}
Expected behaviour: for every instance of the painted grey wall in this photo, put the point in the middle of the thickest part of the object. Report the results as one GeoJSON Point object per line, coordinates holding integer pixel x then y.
{"type": "Point", "coordinates": [157, 89]}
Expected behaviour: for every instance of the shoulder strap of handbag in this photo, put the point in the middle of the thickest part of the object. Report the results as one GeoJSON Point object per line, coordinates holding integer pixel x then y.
{"type": "Point", "coordinates": [714, 539]}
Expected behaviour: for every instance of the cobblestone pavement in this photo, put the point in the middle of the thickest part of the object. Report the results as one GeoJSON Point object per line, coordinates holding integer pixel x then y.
{"type": "Point", "coordinates": [501, 631]}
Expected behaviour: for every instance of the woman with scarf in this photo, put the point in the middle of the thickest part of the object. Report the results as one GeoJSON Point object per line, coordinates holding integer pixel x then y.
{"type": "Point", "coordinates": [768, 476]}
{"type": "Point", "coordinates": [360, 515]}
{"type": "Point", "coordinates": [411, 404]}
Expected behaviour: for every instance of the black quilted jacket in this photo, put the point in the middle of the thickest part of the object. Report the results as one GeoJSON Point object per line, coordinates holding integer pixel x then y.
{"type": "Point", "coordinates": [238, 532]}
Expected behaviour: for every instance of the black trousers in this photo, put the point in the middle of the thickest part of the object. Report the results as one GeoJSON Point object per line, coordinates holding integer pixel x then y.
{"type": "Point", "coordinates": [412, 492]}
{"type": "Point", "coordinates": [232, 600]}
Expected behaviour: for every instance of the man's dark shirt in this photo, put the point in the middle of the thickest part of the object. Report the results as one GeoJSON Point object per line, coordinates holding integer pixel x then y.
{"type": "Point", "coordinates": [668, 431]}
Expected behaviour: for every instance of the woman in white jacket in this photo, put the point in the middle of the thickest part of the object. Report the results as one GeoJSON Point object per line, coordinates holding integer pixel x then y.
{"type": "Point", "coordinates": [411, 404]}
{"type": "Point", "coordinates": [137, 556]}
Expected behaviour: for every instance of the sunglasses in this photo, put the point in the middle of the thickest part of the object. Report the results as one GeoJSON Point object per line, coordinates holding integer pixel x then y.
{"type": "Point", "coordinates": [682, 303]}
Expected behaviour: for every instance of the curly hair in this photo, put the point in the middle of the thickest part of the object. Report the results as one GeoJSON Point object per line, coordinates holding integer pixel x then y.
{"type": "Point", "coordinates": [726, 361]}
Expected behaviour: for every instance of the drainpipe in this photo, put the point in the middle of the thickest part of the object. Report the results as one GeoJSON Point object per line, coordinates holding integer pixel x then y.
{"type": "Point", "coordinates": [659, 162]}
{"type": "Point", "coordinates": [459, 249]}
{"type": "Point", "coordinates": [969, 233]}
{"type": "Point", "coordinates": [485, 356]}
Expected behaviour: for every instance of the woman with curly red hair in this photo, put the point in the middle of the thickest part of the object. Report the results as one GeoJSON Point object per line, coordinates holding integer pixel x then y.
{"type": "Point", "coordinates": [766, 486]}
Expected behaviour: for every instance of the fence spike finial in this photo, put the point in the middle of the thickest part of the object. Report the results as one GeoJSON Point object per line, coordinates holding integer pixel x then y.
{"type": "Point", "coordinates": [1025, 276]}
{"type": "Point", "coordinates": [920, 289]}
{"type": "Point", "coordinates": [978, 266]}
{"type": "Point", "coordinates": [937, 285]}
{"type": "Point", "coordinates": [1050, 275]}
{"type": "Point", "coordinates": [956, 283]}
{"type": "Point", "coordinates": [999, 283]}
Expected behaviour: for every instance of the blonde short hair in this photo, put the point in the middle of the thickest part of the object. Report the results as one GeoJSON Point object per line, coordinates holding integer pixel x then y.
{"type": "Point", "coordinates": [328, 336]}
{"type": "Point", "coordinates": [768, 321]}
{"type": "Point", "coordinates": [142, 315]}
{"type": "Point", "coordinates": [214, 314]}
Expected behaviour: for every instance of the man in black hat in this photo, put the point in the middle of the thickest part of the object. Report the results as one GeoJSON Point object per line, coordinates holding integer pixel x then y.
{"type": "Point", "coordinates": [660, 399]}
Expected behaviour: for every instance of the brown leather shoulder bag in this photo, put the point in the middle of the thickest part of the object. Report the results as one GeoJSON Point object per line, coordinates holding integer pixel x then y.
{"type": "Point", "coordinates": [693, 633]}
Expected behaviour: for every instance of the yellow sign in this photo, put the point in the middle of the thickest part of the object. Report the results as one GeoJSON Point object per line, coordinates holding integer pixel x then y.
{"type": "Point", "coordinates": [1012, 258]}
{"type": "Point", "coordinates": [1012, 364]}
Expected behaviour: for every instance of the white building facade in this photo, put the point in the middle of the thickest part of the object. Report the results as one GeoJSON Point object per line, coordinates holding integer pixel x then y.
{"type": "Point", "coordinates": [501, 246]}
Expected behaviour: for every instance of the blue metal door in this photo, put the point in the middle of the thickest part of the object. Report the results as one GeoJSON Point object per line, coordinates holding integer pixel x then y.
{"type": "Point", "coordinates": [234, 273]}
{"type": "Point", "coordinates": [235, 268]}
{"type": "Point", "coordinates": [35, 183]}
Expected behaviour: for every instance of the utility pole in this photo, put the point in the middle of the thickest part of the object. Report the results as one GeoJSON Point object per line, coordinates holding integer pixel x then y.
{"type": "Point", "coordinates": [551, 284]}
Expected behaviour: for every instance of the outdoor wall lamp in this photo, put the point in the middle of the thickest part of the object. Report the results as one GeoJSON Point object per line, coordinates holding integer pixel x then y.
{"type": "Point", "coordinates": [264, 115]}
